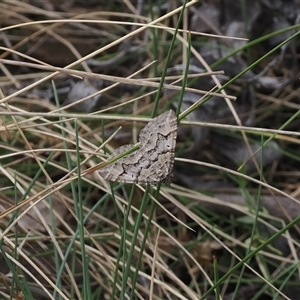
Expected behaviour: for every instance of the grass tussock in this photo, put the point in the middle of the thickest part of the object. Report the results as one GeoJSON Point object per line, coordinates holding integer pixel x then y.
{"type": "Point", "coordinates": [79, 80]}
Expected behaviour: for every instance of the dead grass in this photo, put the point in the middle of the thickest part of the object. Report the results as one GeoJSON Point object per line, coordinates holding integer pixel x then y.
{"type": "Point", "coordinates": [225, 229]}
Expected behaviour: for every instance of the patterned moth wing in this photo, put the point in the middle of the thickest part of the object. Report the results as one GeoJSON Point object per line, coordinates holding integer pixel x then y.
{"type": "Point", "coordinates": [158, 141]}
{"type": "Point", "coordinates": [153, 161]}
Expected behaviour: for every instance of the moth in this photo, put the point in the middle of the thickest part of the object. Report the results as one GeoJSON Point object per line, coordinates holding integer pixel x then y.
{"type": "Point", "coordinates": [153, 161]}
